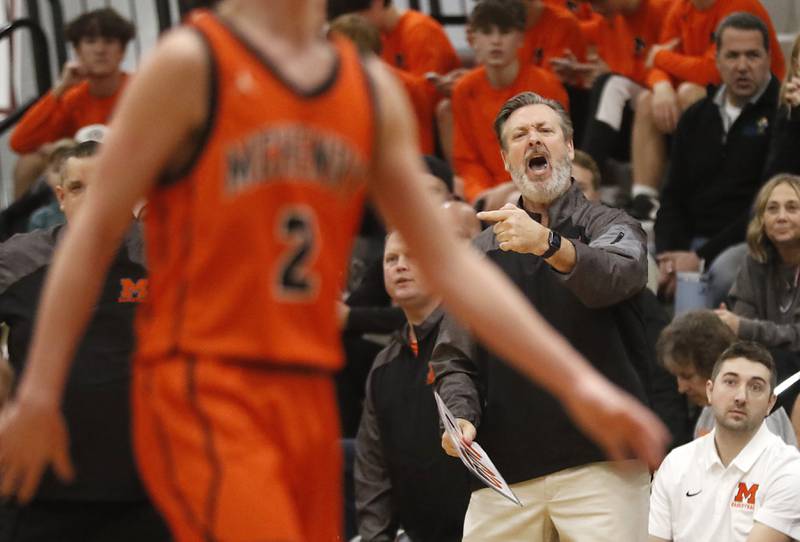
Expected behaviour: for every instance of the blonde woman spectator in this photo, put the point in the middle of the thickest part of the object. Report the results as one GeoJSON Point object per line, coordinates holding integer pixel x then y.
{"type": "Point", "coordinates": [765, 296]}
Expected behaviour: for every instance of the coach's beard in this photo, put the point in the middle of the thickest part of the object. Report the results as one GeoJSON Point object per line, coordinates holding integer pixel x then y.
{"type": "Point", "coordinates": [544, 192]}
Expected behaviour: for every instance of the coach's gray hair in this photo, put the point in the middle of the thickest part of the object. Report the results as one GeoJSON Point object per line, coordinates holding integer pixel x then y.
{"type": "Point", "coordinates": [530, 98]}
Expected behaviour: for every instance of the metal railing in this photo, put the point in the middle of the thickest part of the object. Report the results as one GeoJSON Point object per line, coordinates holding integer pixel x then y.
{"type": "Point", "coordinates": [57, 13]}
{"type": "Point", "coordinates": [41, 58]}
{"type": "Point", "coordinates": [436, 13]}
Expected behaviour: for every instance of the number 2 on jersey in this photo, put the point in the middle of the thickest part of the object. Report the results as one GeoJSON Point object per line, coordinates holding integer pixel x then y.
{"type": "Point", "coordinates": [297, 229]}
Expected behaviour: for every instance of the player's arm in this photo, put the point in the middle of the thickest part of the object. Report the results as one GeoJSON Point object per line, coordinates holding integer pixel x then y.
{"type": "Point", "coordinates": [160, 108]}
{"type": "Point", "coordinates": [484, 299]}
{"type": "Point", "coordinates": [762, 533]}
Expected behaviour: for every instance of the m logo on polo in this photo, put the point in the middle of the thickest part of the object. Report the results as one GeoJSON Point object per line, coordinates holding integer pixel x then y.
{"type": "Point", "coordinates": [132, 291]}
{"type": "Point", "coordinates": [745, 496]}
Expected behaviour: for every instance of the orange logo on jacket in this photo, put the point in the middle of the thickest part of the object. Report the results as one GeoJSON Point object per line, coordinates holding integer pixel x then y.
{"type": "Point", "coordinates": [132, 292]}
{"type": "Point", "coordinates": [745, 497]}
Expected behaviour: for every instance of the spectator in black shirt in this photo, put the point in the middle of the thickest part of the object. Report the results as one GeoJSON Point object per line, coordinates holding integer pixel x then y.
{"type": "Point", "coordinates": [402, 476]}
{"type": "Point", "coordinates": [717, 161]}
{"type": "Point", "coordinates": [101, 498]}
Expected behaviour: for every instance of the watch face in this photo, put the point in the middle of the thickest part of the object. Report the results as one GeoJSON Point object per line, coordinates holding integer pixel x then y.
{"type": "Point", "coordinates": [554, 240]}
{"type": "Point", "coordinates": [554, 243]}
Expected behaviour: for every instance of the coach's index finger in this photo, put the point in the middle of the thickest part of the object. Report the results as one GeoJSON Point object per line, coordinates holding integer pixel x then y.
{"type": "Point", "coordinates": [495, 216]}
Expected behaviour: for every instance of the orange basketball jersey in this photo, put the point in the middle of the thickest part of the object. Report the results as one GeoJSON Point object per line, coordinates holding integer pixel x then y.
{"type": "Point", "coordinates": [247, 251]}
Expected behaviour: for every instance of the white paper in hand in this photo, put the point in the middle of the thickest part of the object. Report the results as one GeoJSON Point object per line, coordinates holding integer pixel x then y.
{"type": "Point", "coordinates": [786, 384]}
{"type": "Point", "coordinates": [473, 455]}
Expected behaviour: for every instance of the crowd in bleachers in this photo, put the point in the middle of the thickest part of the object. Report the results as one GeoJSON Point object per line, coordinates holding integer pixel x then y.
{"type": "Point", "coordinates": [678, 122]}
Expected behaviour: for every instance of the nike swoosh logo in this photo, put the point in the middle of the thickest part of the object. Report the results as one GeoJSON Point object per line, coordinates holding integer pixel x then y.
{"type": "Point", "coordinates": [693, 494]}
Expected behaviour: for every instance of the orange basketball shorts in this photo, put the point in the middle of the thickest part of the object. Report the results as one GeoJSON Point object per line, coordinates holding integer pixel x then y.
{"type": "Point", "coordinates": [238, 452]}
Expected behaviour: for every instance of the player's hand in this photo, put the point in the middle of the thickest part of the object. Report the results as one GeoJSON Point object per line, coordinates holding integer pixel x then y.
{"type": "Point", "coordinates": [515, 230]}
{"type": "Point", "coordinates": [657, 48]}
{"type": "Point", "coordinates": [72, 74]}
{"type": "Point", "coordinates": [666, 110]}
{"type": "Point", "coordinates": [468, 433]}
{"type": "Point", "coordinates": [617, 422]}
{"type": "Point", "coordinates": [33, 435]}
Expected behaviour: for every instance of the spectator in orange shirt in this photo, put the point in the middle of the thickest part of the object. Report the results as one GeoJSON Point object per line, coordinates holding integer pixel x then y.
{"type": "Point", "coordinates": [496, 30]}
{"type": "Point", "coordinates": [550, 32]}
{"type": "Point", "coordinates": [85, 93]}
{"type": "Point", "coordinates": [553, 34]}
{"type": "Point", "coordinates": [623, 37]}
{"type": "Point", "coordinates": [412, 41]}
{"type": "Point", "coordinates": [420, 90]}
{"type": "Point", "coordinates": [683, 63]}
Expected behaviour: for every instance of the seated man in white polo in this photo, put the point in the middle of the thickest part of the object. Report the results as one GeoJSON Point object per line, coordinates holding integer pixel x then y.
{"type": "Point", "coordinates": [740, 482]}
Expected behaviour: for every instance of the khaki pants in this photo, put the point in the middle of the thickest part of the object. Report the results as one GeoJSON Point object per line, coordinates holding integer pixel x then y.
{"type": "Point", "coordinates": [599, 502]}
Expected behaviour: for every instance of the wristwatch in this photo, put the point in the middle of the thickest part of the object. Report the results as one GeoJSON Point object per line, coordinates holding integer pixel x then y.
{"type": "Point", "coordinates": [553, 244]}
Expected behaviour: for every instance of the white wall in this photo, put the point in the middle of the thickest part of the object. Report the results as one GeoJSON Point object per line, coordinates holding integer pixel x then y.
{"type": "Point", "coordinates": [141, 12]}
{"type": "Point", "coordinates": [785, 15]}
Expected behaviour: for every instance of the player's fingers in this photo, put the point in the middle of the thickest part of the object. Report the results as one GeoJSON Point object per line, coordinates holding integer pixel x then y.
{"type": "Point", "coordinates": [667, 115]}
{"type": "Point", "coordinates": [648, 446]}
{"type": "Point", "coordinates": [494, 216]}
{"type": "Point", "coordinates": [658, 118]}
{"type": "Point", "coordinates": [62, 464]}
{"type": "Point", "coordinates": [648, 436]}
{"type": "Point", "coordinates": [614, 447]}
{"type": "Point", "coordinates": [673, 119]}
{"type": "Point", "coordinates": [29, 482]}
{"type": "Point", "coordinates": [9, 480]}
{"type": "Point", "coordinates": [666, 120]}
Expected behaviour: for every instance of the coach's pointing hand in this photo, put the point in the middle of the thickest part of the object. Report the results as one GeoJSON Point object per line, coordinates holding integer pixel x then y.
{"type": "Point", "coordinates": [515, 230]}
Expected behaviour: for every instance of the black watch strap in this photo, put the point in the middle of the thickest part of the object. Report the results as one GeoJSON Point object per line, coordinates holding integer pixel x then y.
{"type": "Point", "coordinates": [554, 243]}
